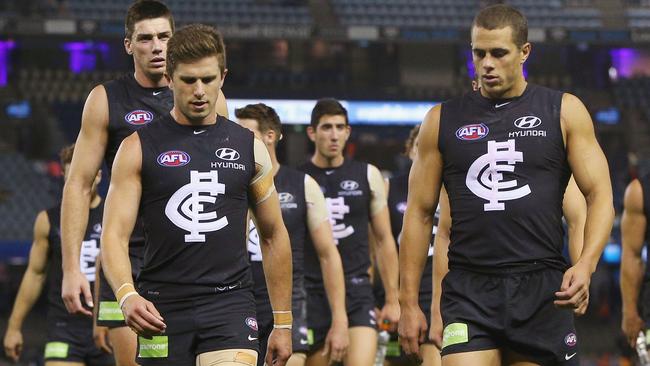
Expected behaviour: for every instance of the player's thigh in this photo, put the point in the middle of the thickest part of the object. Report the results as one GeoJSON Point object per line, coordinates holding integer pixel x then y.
{"type": "Point", "coordinates": [316, 358]}
{"type": "Point", "coordinates": [297, 359]}
{"type": "Point", "coordinates": [125, 344]}
{"type": "Point", "coordinates": [228, 357]}
{"type": "Point", "coordinates": [512, 358]}
{"type": "Point", "coordinates": [430, 355]}
{"type": "Point", "coordinates": [491, 357]}
{"type": "Point", "coordinates": [63, 363]}
{"type": "Point", "coordinates": [363, 347]}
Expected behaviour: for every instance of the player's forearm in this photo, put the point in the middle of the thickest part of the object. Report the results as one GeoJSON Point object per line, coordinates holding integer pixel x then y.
{"type": "Point", "coordinates": [332, 269]}
{"type": "Point", "coordinates": [440, 269]}
{"type": "Point", "coordinates": [576, 241]}
{"type": "Point", "coordinates": [631, 277]}
{"type": "Point", "coordinates": [414, 247]}
{"type": "Point", "coordinates": [598, 226]}
{"type": "Point", "coordinates": [98, 268]}
{"type": "Point", "coordinates": [29, 291]}
{"type": "Point", "coordinates": [278, 269]}
{"type": "Point", "coordinates": [116, 263]}
{"type": "Point", "coordinates": [388, 264]}
{"type": "Point", "coordinates": [74, 220]}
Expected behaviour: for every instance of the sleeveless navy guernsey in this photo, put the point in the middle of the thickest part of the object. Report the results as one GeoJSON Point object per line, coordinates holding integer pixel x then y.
{"type": "Point", "coordinates": [194, 204]}
{"type": "Point", "coordinates": [347, 194]}
{"type": "Point", "coordinates": [89, 251]}
{"type": "Point", "coordinates": [505, 170]}
{"type": "Point", "coordinates": [290, 185]}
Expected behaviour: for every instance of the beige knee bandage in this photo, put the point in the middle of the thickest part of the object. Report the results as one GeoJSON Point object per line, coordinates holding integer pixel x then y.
{"type": "Point", "coordinates": [228, 357]}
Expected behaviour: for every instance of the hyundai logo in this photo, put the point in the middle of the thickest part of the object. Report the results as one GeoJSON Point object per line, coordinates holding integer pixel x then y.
{"type": "Point", "coordinates": [349, 185]}
{"type": "Point", "coordinates": [226, 153]}
{"type": "Point", "coordinates": [528, 122]}
{"type": "Point", "coordinates": [285, 197]}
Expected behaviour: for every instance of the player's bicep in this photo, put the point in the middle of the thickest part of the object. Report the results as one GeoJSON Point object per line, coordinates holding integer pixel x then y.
{"type": "Point", "coordinates": [38, 254]}
{"type": "Point", "coordinates": [587, 161]}
{"type": "Point", "coordinates": [574, 206]}
{"type": "Point", "coordinates": [316, 205]}
{"type": "Point", "coordinates": [90, 146]}
{"type": "Point", "coordinates": [261, 186]}
{"type": "Point", "coordinates": [378, 194]}
{"type": "Point", "coordinates": [634, 221]}
{"type": "Point", "coordinates": [268, 217]}
{"type": "Point", "coordinates": [123, 199]}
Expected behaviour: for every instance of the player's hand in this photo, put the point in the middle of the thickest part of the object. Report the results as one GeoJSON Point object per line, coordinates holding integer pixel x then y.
{"type": "Point", "coordinates": [632, 324]}
{"type": "Point", "coordinates": [141, 316]}
{"type": "Point", "coordinates": [337, 341]}
{"type": "Point", "coordinates": [75, 285]}
{"type": "Point", "coordinates": [389, 314]}
{"type": "Point", "coordinates": [13, 343]}
{"type": "Point", "coordinates": [435, 333]}
{"type": "Point", "coordinates": [279, 348]}
{"type": "Point", "coordinates": [412, 331]}
{"type": "Point", "coordinates": [100, 336]}
{"type": "Point", "coordinates": [574, 291]}
{"type": "Point", "coordinates": [582, 309]}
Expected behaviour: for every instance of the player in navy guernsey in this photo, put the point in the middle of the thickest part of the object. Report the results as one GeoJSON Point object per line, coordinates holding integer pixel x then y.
{"type": "Point", "coordinates": [69, 337]}
{"type": "Point", "coordinates": [193, 175]}
{"type": "Point", "coordinates": [113, 111]}
{"type": "Point", "coordinates": [304, 213]}
{"type": "Point", "coordinates": [635, 291]}
{"type": "Point", "coordinates": [505, 154]}
{"type": "Point", "coordinates": [356, 199]}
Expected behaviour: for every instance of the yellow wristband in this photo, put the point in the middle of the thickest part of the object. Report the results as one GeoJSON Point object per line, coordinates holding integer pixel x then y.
{"type": "Point", "coordinates": [282, 319]}
{"type": "Point", "coordinates": [124, 290]}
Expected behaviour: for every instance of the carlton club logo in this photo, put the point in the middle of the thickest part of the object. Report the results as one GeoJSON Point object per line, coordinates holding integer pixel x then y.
{"type": "Point", "coordinates": [226, 153]}
{"type": "Point", "coordinates": [174, 158]}
{"type": "Point", "coordinates": [472, 132]}
{"type": "Point", "coordinates": [138, 117]}
{"type": "Point", "coordinates": [527, 122]}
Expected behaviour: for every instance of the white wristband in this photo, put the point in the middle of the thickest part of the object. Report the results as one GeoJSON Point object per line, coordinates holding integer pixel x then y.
{"type": "Point", "coordinates": [126, 296]}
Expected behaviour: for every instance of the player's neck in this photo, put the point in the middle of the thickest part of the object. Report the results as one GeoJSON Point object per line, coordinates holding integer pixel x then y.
{"type": "Point", "coordinates": [325, 162]}
{"type": "Point", "coordinates": [274, 160]}
{"type": "Point", "coordinates": [95, 200]}
{"type": "Point", "coordinates": [181, 119]}
{"type": "Point", "coordinates": [146, 81]}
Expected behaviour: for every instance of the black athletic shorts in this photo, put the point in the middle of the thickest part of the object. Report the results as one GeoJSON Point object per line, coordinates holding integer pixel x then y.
{"type": "Point", "coordinates": [108, 312]}
{"type": "Point", "coordinates": [360, 306]}
{"type": "Point", "coordinates": [394, 350]}
{"type": "Point", "coordinates": [299, 327]}
{"type": "Point", "coordinates": [512, 312]}
{"type": "Point", "coordinates": [72, 341]}
{"type": "Point", "coordinates": [199, 324]}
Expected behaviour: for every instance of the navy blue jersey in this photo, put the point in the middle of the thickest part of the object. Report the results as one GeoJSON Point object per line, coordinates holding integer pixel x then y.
{"type": "Point", "coordinates": [194, 204]}
{"type": "Point", "coordinates": [505, 170]}
{"type": "Point", "coordinates": [87, 259]}
{"type": "Point", "coordinates": [347, 194]}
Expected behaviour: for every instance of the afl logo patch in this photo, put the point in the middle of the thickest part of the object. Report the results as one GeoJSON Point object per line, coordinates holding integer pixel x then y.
{"type": "Point", "coordinates": [472, 132]}
{"type": "Point", "coordinates": [252, 323]}
{"type": "Point", "coordinates": [571, 340]}
{"type": "Point", "coordinates": [226, 153]}
{"type": "Point", "coordinates": [528, 122]}
{"type": "Point", "coordinates": [138, 117]}
{"type": "Point", "coordinates": [349, 185]}
{"type": "Point", "coordinates": [174, 158]}
{"type": "Point", "coordinates": [401, 207]}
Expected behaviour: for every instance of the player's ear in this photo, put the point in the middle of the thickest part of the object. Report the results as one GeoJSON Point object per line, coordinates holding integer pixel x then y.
{"type": "Point", "coordinates": [311, 133]}
{"type": "Point", "coordinates": [127, 46]}
{"type": "Point", "coordinates": [525, 51]}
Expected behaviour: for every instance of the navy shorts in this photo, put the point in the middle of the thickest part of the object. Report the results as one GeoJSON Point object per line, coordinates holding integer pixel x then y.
{"type": "Point", "coordinates": [72, 341]}
{"type": "Point", "coordinates": [512, 312]}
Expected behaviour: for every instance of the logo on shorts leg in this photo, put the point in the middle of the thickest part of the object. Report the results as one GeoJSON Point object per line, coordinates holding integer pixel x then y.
{"type": "Point", "coordinates": [571, 340]}
{"type": "Point", "coordinates": [156, 347]}
{"type": "Point", "coordinates": [251, 322]}
{"type": "Point", "coordinates": [455, 333]}
{"type": "Point", "coordinates": [56, 350]}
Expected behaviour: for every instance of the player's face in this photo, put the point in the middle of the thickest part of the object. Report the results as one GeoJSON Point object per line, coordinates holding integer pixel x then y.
{"type": "Point", "coordinates": [148, 45]}
{"type": "Point", "coordinates": [196, 88]}
{"type": "Point", "coordinates": [497, 60]}
{"type": "Point", "coordinates": [330, 135]}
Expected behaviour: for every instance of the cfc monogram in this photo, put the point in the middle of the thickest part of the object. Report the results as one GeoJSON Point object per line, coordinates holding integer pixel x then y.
{"type": "Point", "coordinates": [186, 208]}
{"type": "Point", "coordinates": [485, 177]}
{"type": "Point", "coordinates": [337, 210]}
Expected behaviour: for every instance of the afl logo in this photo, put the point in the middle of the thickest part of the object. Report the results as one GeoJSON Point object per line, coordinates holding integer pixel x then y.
{"type": "Point", "coordinates": [528, 122]}
{"type": "Point", "coordinates": [174, 158]}
{"type": "Point", "coordinates": [472, 132]}
{"type": "Point", "coordinates": [285, 197]}
{"type": "Point", "coordinates": [571, 340]}
{"type": "Point", "coordinates": [349, 185]}
{"type": "Point", "coordinates": [252, 323]}
{"type": "Point", "coordinates": [139, 117]}
{"type": "Point", "coordinates": [226, 153]}
{"type": "Point", "coordinates": [401, 207]}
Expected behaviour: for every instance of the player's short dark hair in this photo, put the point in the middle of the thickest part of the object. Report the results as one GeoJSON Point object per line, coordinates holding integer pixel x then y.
{"type": "Point", "coordinates": [266, 117]}
{"type": "Point", "coordinates": [65, 155]}
{"type": "Point", "coordinates": [410, 141]}
{"type": "Point", "coordinates": [327, 106]}
{"type": "Point", "coordinates": [501, 16]}
{"type": "Point", "coordinates": [194, 42]}
{"type": "Point", "coordinates": [145, 9]}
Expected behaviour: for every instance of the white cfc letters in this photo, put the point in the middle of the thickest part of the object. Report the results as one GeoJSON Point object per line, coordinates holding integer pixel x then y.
{"type": "Point", "coordinates": [485, 178]}
{"type": "Point", "coordinates": [186, 210]}
{"type": "Point", "coordinates": [253, 243]}
{"type": "Point", "coordinates": [89, 251]}
{"type": "Point", "coordinates": [337, 210]}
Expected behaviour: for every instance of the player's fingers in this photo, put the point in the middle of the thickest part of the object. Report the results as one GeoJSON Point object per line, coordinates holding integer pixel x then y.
{"type": "Point", "coordinates": [326, 347]}
{"type": "Point", "coordinates": [88, 296]}
{"type": "Point", "coordinates": [153, 322]}
{"type": "Point", "coordinates": [270, 353]}
{"type": "Point", "coordinates": [152, 309]}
